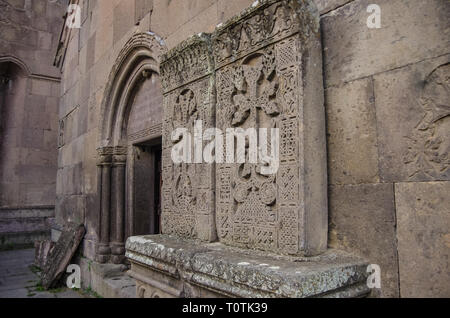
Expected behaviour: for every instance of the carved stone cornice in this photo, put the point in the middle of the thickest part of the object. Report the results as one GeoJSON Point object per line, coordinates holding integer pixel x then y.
{"type": "Point", "coordinates": [187, 62]}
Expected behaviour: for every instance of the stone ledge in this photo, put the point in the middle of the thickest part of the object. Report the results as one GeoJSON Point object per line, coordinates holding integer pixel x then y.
{"type": "Point", "coordinates": [107, 280]}
{"type": "Point", "coordinates": [183, 265]}
{"type": "Point", "coordinates": [26, 213]}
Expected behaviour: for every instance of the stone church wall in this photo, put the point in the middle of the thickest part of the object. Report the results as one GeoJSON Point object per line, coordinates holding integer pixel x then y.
{"type": "Point", "coordinates": [386, 101]}
{"type": "Point", "coordinates": [29, 106]}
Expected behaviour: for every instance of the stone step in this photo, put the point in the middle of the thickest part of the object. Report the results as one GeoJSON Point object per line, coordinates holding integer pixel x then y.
{"type": "Point", "coordinates": [107, 280]}
{"type": "Point", "coordinates": [22, 239]}
{"type": "Point", "coordinates": [20, 227]}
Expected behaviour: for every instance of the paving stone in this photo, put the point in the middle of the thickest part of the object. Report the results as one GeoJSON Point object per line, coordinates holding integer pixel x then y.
{"type": "Point", "coordinates": [18, 281]}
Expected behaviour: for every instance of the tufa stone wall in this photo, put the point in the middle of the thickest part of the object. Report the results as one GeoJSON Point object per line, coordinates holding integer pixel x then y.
{"type": "Point", "coordinates": [29, 98]}
{"type": "Point", "coordinates": [386, 123]}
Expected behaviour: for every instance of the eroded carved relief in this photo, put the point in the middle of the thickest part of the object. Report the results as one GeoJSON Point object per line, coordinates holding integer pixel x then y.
{"type": "Point", "coordinates": [429, 144]}
{"type": "Point", "coordinates": [250, 96]}
{"type": "Point", "coordinates": [260, 85]}
{"type": "Point", "coordinates": [270, 22]}
{"type": "Point", "coordinates": [258, 64]}
{"type": "Point", "coordinates": [188, 189]}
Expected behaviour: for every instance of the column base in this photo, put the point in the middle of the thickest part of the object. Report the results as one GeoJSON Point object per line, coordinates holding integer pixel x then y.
{"type": "Point", "coordinates": [167, 267]}
{"type": "Point", "coordinates": [118, 253]}
{"type": "Point", "coordinates": [103, 253]}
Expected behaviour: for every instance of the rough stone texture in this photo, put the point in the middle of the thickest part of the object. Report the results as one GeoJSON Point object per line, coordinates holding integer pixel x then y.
{"type": "Point", "coordinates": [408, 35]}
{"type": "Point", "coordinates": [352, 133]}
{"type": "Point", "coordinates": [325, 6]}
{"type": "Point", "coordinates": [363, 221]}
{"type": "Point", "coordinates": [17, 280]}
{"type": "Point", "coordinates": [42, 251]}
{"type": "Point", "coordinates": [107, 280]}
{"type": "Point", "coordinates": [60, 256]}
{"type": "Point", "coordinates": [269, 75]}
{"type": "Point", "coordinates": [188, 188]}
{"type": "Point", "coordinates": [190, 269]}
{"type": "Point", "coordinates": [423, 218]}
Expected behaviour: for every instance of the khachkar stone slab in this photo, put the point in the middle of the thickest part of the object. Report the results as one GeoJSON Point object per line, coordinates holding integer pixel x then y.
{"type": "Point", "coordinates": [188, 98]}
{"type": "Point", "coordinates": [269, 75]}
{"type": "Point", "coordinates": [61, 254]}
{"type": "Point", "coordinates": [168, 267]}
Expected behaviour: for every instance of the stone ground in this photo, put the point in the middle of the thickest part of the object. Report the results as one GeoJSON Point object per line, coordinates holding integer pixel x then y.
{"type": "Point", "coordinates": [18, 278]}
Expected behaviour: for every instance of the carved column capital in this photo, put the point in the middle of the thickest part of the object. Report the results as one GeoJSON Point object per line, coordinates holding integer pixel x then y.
{"type": "Point", "coordinates": [119, 156]}
{"type": "Point", "coordinates": [104, 156]}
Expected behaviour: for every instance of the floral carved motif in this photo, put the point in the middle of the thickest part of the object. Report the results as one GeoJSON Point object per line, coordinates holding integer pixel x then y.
{"type": "Point", "coordinates": [429, 144]}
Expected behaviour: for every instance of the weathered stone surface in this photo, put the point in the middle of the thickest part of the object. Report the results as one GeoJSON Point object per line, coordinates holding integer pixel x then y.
{"type": "Point", "coordinates": [325, 6]}
{"type": "Point", "coordinates": [107, 280]}
{"type": "Point", "coordinates": [60, 256]}
{"type": "Point", "coordinates": [407, 35]}
{"type": "Point", "coordinates": [413, 120]}
{"type": "Point", "coordinates": [191, 269]}
{"type": "Point", "coordinates": [423, 222]}
{"type": "Point", "coordinates": [269, 75]}
{"type": "Point", "coordinates": [362, 220]}
{"type": "Point", "coordinates": [188, 188]}
{"type": "Point", "coordinates": [352, 133]}
{"type": "Point", "coordinates": [42, 250]}
{"type": "Point", "coordinates": [17, 280]}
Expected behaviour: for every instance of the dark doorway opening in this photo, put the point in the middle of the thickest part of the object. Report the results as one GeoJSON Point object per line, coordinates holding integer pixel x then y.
{"type": "Point", "coordinates": [147, 187]}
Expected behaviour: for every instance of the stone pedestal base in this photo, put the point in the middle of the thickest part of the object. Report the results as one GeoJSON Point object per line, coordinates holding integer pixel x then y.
{"type": "Point", "coordinates": [165, 266]}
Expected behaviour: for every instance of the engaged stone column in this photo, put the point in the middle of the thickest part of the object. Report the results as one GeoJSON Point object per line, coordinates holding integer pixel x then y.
{"type": "Point", "coordinates": [188, 186]}
{"type": "Point", "coordinates": [269, 75]}
{"type": "Point", "coordinates": [104, 165]}
{"type": "Point", "coordinates": [119, 166]}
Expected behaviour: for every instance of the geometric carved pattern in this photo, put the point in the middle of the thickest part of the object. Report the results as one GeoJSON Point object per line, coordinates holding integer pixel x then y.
{"type": "Point", "coordinates": [289, 140]}
{"type": "Point", "coordinates": [286, 56]}
{"type": "Point", "coordinates": [289, 223]}
{"type": "Point", "coordinates": [288, 184]}
{"type": "Point", "coordinates": [148, 132]}
{"type": "Point", "coordinates": [188, 189]}
{"type": "Point", "coordinates": [255, 64]}
{"type": "Point", "coordinates": [258, 71]}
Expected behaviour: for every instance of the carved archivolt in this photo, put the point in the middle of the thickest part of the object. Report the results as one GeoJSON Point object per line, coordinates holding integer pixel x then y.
{"type": "Point", "coordinates": [17, 61]}
{"type": "Point", "coordinates": [136, 61]}
{"type": "Point", "coordinates": [139, 57]}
